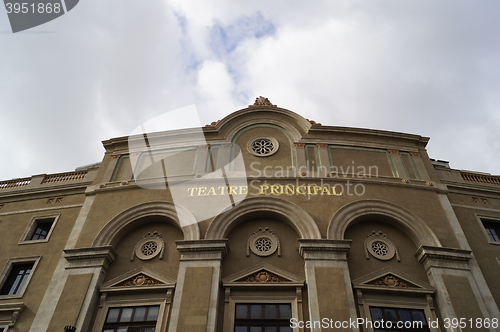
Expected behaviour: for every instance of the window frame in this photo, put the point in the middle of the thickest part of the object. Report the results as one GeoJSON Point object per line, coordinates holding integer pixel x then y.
{"type": "Point", "coordinates": [271, 298]}
{"type": "Point", "coordinates": [367, 303]}
{"type": "Point", "coordinates": [101, 320]}
{"type": "Point", "coordinates": [8, 268]}
{"type": "Point", "coordinates": [480, 219]}
{"type": "Point", "coordinates": [28, 233]}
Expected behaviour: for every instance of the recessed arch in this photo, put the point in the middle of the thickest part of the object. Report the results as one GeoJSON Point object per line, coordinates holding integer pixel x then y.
{"type": "Point", "coordinates": [124, 221]}
{"type": "Point", "coordinates": [399, 217]}
{"type": "Point", "coordinates": [286, 211]}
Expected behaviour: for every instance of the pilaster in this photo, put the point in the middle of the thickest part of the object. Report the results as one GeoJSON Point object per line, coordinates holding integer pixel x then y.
{"type": "Point", "coordinates": [398, 163]}
{"type": "Point", "coordinates": [324, 159]}
{"type": "Point", "coordinates": [300, 157]}
{"type": "Point", "coordinates": [441, 264]}
{"type": "Point", "coordinates": [328, 280]}
{"type": "Point", "coordinates": [200, 260]}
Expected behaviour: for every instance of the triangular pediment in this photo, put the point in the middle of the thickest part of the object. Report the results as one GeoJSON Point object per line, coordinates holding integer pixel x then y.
{"type": "Point", "coordinates": [139, 278]}
{"type": "Point", "coordinates": [263, 274]}
{"type": "Point", "coordinates": [392, 279]}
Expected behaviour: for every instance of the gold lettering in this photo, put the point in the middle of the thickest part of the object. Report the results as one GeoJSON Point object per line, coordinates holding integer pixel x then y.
{"type": "Point", "coordinates": [221, 190]}
{"type": "Point", "coordinates": [232, 190]}
{"type": "Point", "coordinates": [335, 193]}
{"type": "Point", "coordinates": [325, 189]}
{"type": "Point", "coordinates": [201, 191]}
{"type": "Point", "coordinates": [298, 192]}
{"type": "Point", "coordinates": [290, 189]}
{"type": "Point", "coordinates": [273, 188]}
{"type": "Point", "coordinates": [191, 193]}
{"type": "Point", "coordinates": [243, 190]}
{"type": "Point", "coordinates": [262, 188]}
{"type": "Point", "coordinates": [212, 191]}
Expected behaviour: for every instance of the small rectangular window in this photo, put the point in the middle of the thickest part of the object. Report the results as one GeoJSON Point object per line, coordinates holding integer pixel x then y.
{"type": "Point", "coordinates": [262, 317]}
{"type": "Point", "coordinates": [400, 319]}
{"type": "Point", "coordinates": [132, 319]}
{"type": "Point", "coordinates": [39, 229]}
{"type": "Point", "coordinates": [492, 228]}
{"type": "Point", "coordinates": [17, 278]}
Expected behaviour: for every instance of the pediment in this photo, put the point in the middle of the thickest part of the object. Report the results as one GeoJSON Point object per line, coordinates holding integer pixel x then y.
{"type": "Point", "coordinates": [139, 278]}
{"type": "Point", "coordinates": [263, 274]}
{"type": "Point", "coordinates": [392, 279]}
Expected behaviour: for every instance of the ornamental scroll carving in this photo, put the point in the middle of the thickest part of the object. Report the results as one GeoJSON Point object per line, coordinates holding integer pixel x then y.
{"type": "Point", "coordinates": [263, 242]}
{"type": "Point", "coordinates": [379, 246]}
{"type": "Point", "coordinates": [150, 246]}
{"type": "Point", "coordinates": [262, 101]}
{"type": "Point", "coordinates": [263, 276]}
{"type": "Point", "coordinates": [391, 281]}
{"type": "Point", "coordinates": [139, 280]}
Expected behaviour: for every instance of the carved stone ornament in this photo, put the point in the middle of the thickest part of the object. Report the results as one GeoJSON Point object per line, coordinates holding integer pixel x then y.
{"type": "Point", "coordinates": [391, 281]}
{"type": "Point", "coordinates": [150, 246]}
{"type": "Point", "coordinates": [263, 242]}
{"type": "Point", "coordinates": [379, 246]}
{"type": "Point", "coordinates": [263, 276]}
{"type": "Point", "coordinates": [139, 280]}
{"type": "Point", "coordinates": [263, 146]}
{"type": "Point", "coordinates": [262, 101]}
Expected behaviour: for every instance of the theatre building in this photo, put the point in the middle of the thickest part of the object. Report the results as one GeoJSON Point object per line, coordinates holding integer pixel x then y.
{"type": "Point", "coordinates": [263, 221]}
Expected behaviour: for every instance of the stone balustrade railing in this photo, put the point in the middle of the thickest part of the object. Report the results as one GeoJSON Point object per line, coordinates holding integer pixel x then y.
{"type": "Point", "coordinates": [480, 178]}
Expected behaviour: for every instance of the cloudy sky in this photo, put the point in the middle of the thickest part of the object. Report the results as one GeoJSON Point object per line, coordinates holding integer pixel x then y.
{"type": "Point", "coordinates": [423, 67]}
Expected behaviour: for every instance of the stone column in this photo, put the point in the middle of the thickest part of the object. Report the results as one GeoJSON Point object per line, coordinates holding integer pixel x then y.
{"type": "Point", "coordinates": [328, 280]}
{"type": "Point", "coordinates": [398, 163]}
{"type": "Point", "coordinates": [300, 158]}
{"type": "Point", "coordinates": [449, 273]}
{"type": "Point", "coordinates": [202, 159]}
{"type": "Point", "coordinates": [196, 296]}
{"type": "Point", "coordinates": [419, 164]}
{"type": "Point", "coordinates": [111, 168]}
{"type": "Point", "coordinates": [324, 159]}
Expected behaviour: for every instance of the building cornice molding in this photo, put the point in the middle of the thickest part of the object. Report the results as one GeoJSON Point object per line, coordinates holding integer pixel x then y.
{"type": "Point", "coordinates": [205, 249]}
{"type": "Point", "coordinates": [90, 257]}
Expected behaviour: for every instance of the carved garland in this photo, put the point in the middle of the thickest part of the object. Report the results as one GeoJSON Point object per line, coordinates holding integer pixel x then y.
{"type": "Point", "coordinates": [263, 276]}
{"type": "Point", "coordinates": [379, 246]}
{"type": "Point", "coordinates": [150, 246]}
{"type": "Point", "coordinates": [139, 280]}
{"type": "Point", "coordinates": [263, 242]}
{"type": "Point", "coordinates": [391, 281]}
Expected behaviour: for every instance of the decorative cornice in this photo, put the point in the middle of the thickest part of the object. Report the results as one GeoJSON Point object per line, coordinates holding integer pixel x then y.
{"type": "Point", "coordinates": [203, 249]}
{"type": "Point", "coordinates": [441, 257]}
{"type": "Point", "coordinates": [15, 310]}
{"type": "Point", "coordinates": [90, 257]}
{"type": "Point", "coordinates": [324, 249]}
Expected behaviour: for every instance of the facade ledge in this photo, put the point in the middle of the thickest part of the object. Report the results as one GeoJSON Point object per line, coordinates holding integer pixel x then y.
{"type": "Point", "coordinates": [10, 312]}
{"type": "Point", "coordinates": [203, 249]}
{"type": "Point", "coordinates": [90, 257]}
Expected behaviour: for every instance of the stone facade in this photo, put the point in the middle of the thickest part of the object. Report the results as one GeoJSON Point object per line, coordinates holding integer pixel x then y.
{"type": "Point", "coordinates": [270, 217]}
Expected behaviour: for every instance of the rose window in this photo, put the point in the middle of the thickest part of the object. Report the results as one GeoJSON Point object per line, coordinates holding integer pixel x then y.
{"type": "Point", "coordinates": [263, 244]}
{"type": "Point", "coordinates": [262, 146]}
{"type": "Point", "coordinates": [380, 248]}
{"type": "Point", "coordinates": [149, 248]}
